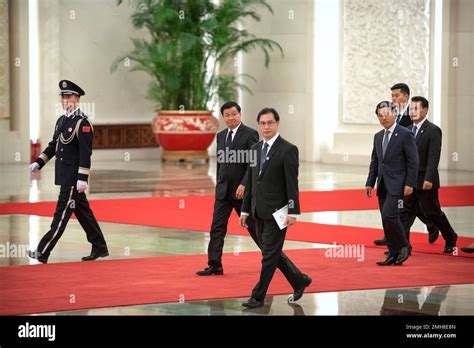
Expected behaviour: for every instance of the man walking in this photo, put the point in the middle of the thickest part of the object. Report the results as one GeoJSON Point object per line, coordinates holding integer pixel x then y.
{"type": "Point", "coordinates": [401, 98]}
{"type": "Point", "coordinates": [72, 146]}
{"type": "Point", "coordinates": [230, 182]}
{"type": "Point", "coordinates": [428, 141]}
{"type": "Point", "coordinates": [272, 185]}
{"type": "Point", "coordinates": [394, 166]}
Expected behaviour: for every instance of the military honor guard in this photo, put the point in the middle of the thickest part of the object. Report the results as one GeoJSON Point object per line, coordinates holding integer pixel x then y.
{"type": "Point", "coordinates": [72, 146]}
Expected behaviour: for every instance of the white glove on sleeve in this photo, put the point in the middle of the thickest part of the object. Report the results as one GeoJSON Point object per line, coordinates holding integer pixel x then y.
{"type": "Point", "coordinates": [81, 186]}
{"type": "Point", "coordinates": [34, 167]}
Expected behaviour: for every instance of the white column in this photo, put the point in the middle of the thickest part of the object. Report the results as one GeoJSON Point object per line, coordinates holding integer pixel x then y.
{"type": "Point", "coordinates": [326, 75]}
{"type": "Point", "coordinates": [4, 64]}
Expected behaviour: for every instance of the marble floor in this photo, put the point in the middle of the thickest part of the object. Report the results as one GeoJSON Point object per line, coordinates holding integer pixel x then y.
{"type": "Point", "coordinates": [153, 178]}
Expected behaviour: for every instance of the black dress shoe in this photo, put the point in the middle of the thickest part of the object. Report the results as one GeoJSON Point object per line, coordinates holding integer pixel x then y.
{"type": "Point", "coordinates": [298, 293]}
{"type": "Point", "coordinates": [211, 271]}
{"type": "Point", "coordinates": [468, 249]}
{"type": "Point", "coordinates": [382, 241]}
{"type": "Point", "coordinates": [433, 234]}
{"type": "Point", "coordinates": [253, 303]}
{"type": "Point", "coordinates": [403, 255]}
{"type": "Point", "coordinates": [37, 256]}
{"type": "Point", "coordinates": [450, 249]}
{"type": "Point", "coordinates": [410, 248]}
{"type": "Point", "coordinates": [95, 255]}
{"type": "Point", "coordinates": [389, 261]}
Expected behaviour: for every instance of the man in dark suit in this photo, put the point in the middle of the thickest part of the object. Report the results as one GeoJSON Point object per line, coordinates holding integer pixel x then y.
{"type": "Point", "coordinates": [72, 146]}
{"type": "Point", "coordinates": [394, 166]}
{"type": "Point", "coordinates": [400, 97]}
{"type": "Point", "coordinates": [230, 182]}
{"type": "Point", "coordinates": [428, 142]}
{"type": "Point", "coordinates": [271, 185]}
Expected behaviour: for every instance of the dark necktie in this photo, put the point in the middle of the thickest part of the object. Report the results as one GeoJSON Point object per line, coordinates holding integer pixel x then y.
{"type": "Point", "coordinates": [398, 118]}
{"type": "Point", "coordinates": [228, 141]}
{"type": "Point", "coordinates": [414, 130]}
{"type": "Point", "coordinates": [385, 142]}
{"type": "Point", "coordinates": [263, 157]}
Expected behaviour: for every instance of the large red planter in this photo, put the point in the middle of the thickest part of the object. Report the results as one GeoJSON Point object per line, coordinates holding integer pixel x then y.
{"type": "Point", "coordinates": [184, 134]}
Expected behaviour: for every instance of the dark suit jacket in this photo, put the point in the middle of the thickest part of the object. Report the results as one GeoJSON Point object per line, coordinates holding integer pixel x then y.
{"type": "Point", "coordinates": [399, 168]}
{"type": "Point", "coordinates": [277, 185]}
{"type": "Point", "coordinates": [405, 120]}
{"type": "Point", "coordinates": [428, 142]}
{"type": "Point", "coordinates": [72, 146]}
{"type": "Point", "coordinates": [230, 175]}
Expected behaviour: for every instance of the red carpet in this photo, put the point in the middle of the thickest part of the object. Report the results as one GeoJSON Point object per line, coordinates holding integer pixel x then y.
{"type": "Point", "coordinates": [47, 288]}
{"type": "Point", "coordinates": [311, 201]}
{"type": "Point", "coordinates": [187, 213]}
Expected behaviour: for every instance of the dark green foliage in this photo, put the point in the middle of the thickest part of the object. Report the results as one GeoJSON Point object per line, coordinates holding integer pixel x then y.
{"type": "Point", "coordinates": [186, 42]}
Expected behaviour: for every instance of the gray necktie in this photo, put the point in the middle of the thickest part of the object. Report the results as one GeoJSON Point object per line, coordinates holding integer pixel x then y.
{"type": "Point", "coordinates": [414, 129]}
{"type": "Point", "coordinates": [385, 142]}
{"type": "Point", "coordinates": [263, 157]}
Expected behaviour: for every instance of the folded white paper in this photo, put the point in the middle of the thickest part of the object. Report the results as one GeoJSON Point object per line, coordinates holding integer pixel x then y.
{"type": "Point", "coordinates": [280, 216]}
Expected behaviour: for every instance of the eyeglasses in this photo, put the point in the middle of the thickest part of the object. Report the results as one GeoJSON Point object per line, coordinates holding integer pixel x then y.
{"type": "Point", "coordinates": [270, 123]}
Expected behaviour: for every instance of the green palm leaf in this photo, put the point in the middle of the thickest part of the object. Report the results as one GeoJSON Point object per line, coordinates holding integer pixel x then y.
{"type": "Point", "coordinates": [187, 41]}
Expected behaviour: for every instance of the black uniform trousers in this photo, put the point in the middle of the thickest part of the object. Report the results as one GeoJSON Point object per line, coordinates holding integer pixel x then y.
{"type": "Point", "coordinates": [71, 201]}
{"type": "Point", "coordinates": [271, 240]}
{"type": "Point", "coordinates": [428, 201]}
{"type": "Point", "coordinates": [392, 225]}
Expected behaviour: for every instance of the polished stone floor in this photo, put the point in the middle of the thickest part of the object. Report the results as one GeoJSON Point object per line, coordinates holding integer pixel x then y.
{"type": "Point", "coordinates": [152, 178]}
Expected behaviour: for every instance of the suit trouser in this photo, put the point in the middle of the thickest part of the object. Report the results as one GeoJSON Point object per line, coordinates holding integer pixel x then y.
{"type": "Point", "coordinates": [271, 240]}
{"type": "Point", "coordinates": [421, 214]}
{"type": "Point", "coordinates": [392, 225]}
{"type": "Point", "coordinates": [71, 201]}
{"type": "Point", "coordinates": [428, 201]}
{"type": "Point", "coordinates": [220, 219]}
{"type": "Point", "coordinates": [222, 211]}
{"type": "Point", "coordinates": [423, 218]}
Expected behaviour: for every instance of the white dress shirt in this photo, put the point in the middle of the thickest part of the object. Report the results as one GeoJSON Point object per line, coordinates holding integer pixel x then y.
{"type": "Point", "coordinates": [391, 129]}
{"type": "Point", "coordinates": [418, 126]}
{"type": "Point", "coordinates": [400, 115]}
{"type": "Point", "coordinates": [270, 143]}
{"type": "Point", "coordinates": [234, 131]}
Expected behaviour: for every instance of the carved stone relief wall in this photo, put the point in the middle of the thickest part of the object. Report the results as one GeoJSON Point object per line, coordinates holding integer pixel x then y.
{"type": "Point", "coordinates": [383, 42]}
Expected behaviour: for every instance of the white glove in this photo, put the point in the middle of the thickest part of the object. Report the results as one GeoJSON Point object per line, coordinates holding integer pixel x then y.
{"type": "Point", "coordinates": [34, 167]}
{"type": "Point", "coordinates": [81, 186]}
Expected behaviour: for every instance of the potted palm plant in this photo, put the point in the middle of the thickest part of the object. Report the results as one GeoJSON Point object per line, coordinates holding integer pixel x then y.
{"type": "Point", "coordinates": [186, 43]}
